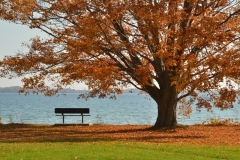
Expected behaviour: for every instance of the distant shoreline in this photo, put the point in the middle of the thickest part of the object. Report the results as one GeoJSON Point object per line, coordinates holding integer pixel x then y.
{"type": "Point", "coordinates": [15, 89]}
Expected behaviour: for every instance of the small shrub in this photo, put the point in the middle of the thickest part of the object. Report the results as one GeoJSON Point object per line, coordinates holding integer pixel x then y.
{"type": "Point", "coordinates": [11, 120]}
{"type": "Point", "coordinates": [99, 119]}
{"type": "Point", "coordinates": [218, 121]}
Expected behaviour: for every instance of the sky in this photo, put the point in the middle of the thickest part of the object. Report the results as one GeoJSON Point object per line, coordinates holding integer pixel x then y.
{"type": "Point", "coordinates": [11, 38]}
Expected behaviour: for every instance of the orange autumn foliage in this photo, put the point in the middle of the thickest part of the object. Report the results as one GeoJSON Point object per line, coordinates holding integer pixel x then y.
{"type": "Point", "coordinates": [169, 49]}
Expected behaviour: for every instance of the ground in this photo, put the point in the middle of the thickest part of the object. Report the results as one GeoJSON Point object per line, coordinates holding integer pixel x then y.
{"type": "Point", "coordinates": [185, 135]}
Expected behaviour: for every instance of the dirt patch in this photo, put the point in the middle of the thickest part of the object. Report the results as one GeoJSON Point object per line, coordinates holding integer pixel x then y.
{"type": "Point", "coordinates": [197, 134]}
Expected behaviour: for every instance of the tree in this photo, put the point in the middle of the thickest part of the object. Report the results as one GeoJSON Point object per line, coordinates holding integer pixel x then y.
{"type": "Point", "coordinates": [173, 50]}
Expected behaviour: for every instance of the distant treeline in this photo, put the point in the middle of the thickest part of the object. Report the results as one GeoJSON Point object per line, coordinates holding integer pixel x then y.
{"type": "Point", "coordinates": [15, 89]}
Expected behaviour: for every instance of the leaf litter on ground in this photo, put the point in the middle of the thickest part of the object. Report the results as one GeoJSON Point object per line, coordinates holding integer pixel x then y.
{"type": "Point", "coordinates": [184, 135]}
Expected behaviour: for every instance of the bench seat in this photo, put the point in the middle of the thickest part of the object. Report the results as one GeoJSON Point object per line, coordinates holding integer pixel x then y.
{"type": "Point", "coordinates": [72, 112]}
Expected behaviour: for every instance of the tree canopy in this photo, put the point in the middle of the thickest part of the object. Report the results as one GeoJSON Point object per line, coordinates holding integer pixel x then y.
{"type": "Point", "coordinates": [171, 49]}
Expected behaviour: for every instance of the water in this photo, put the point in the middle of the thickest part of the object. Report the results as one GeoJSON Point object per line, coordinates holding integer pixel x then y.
{"type": "Point", "coordinates": [129, 108]}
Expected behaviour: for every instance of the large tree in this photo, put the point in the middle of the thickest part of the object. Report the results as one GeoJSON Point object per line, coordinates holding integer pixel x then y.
{"type": "Point", "coordinates": [174, 50]}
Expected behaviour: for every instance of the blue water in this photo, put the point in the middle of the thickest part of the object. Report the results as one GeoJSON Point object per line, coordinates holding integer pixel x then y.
{"type": "Point", "coordinates": [128, 108]}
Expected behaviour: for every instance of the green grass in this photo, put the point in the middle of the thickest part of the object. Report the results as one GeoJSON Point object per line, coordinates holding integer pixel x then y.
{"type": "Point", "coordinates": [112, 150]}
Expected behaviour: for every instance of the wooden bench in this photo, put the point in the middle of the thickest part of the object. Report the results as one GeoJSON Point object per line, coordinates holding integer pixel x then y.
{"type": "Point", "coordinates": [72, 112]}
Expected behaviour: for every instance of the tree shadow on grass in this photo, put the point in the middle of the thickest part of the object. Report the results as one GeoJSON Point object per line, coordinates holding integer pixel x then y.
{"type": "Point", "coordinates": [14, 133]}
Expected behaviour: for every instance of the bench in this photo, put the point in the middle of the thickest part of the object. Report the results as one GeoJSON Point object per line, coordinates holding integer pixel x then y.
{"type": "Point", "coordinates": [72, 112]}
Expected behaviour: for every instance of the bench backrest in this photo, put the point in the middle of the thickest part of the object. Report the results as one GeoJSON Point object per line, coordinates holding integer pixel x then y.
{"type": "Point", "coordinates": [72, 110]}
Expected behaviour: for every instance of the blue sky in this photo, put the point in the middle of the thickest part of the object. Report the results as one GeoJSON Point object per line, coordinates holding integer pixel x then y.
{"type": "Point", "coordinates": [11, 38]}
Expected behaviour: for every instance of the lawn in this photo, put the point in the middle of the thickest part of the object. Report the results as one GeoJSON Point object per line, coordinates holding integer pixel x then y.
{"type": "Point", "coordinates": [118, 142]}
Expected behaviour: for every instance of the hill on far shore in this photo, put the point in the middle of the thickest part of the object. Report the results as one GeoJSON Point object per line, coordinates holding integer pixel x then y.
{"type": "Point", "coordinates": [15, 89]}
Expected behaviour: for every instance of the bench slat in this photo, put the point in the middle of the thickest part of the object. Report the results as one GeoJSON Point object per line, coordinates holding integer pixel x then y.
{"type": "Point", "coordinates": [72, 110]}
{"type": "Point", "coordinates": [73, 115]}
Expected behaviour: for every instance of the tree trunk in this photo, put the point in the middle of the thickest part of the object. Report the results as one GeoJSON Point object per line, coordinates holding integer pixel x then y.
{"type": "Point", "coordinates": [166, 114]}
{"type": "Point", "coordinates": [167, 104]}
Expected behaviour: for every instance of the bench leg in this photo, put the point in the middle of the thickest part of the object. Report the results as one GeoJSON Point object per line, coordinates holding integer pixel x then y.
{"type": "Point", "coordinates": [63, 119]}
{"type": "Point", "coordinates": [82, 119]}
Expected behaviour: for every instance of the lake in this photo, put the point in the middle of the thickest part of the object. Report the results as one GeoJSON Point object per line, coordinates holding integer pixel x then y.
{"type": "Point", "coordinates": [128, 108]}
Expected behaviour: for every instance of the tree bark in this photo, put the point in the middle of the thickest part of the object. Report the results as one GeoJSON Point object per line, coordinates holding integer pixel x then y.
{"type": "Point", "coordinates": [166, 114]}
{"type": "Point", "coordinates": [167, 103]}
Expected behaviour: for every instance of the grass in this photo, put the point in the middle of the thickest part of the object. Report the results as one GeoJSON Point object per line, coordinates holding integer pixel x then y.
{"type": "Point", "coordinates": [113, 150]}
{"type": "Point", "coordinates": [28, 142]}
